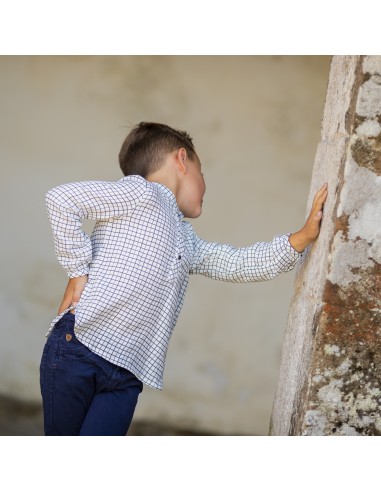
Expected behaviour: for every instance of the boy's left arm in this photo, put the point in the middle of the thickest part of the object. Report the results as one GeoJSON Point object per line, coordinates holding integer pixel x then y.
{"type": "Point", "coordinates": [261, 261]}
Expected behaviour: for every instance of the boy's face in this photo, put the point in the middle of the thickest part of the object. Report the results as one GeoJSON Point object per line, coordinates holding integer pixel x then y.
{"type": "Point", "coordinates": [192, 190]}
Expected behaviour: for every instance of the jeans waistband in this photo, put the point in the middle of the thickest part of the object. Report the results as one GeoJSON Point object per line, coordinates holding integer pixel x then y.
{"type": "Point", "coordinates": [66, 319]}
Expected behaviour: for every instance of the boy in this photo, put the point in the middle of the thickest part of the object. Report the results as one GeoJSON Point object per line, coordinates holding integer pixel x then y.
{"type": "Point", "coordinates": [127, 283]}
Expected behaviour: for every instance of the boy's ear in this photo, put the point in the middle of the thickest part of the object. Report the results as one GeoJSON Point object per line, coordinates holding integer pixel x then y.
{"type": "Point", "coordinates": [181, 160]}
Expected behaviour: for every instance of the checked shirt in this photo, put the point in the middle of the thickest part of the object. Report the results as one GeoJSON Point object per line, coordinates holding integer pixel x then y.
{"type": "Point", "coordinates": [138, 260]}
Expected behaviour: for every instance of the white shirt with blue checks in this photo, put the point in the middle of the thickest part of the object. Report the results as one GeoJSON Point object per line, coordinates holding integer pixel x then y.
{"type": "Point", "coordinates": [138, 260]}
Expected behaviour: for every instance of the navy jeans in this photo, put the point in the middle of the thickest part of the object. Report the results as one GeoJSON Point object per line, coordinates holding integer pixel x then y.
{"type": "Point", "coordinates": [82, 393]}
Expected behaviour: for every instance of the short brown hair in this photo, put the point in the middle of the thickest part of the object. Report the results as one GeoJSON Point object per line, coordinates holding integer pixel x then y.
{"type": "Point", "coordinates": [147, 144]}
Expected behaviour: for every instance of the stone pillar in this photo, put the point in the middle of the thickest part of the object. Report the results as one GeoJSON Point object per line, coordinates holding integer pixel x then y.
{"type": "Point", "coordinates": [330, 374]}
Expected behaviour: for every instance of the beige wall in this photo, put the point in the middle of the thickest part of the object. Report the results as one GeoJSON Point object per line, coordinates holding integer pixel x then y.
{"type": "Point", "coordinates": [255, 122]}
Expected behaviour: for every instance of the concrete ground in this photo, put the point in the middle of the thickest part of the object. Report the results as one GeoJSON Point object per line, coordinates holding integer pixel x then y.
{"type": "Point", "coordinates": [26, 419]}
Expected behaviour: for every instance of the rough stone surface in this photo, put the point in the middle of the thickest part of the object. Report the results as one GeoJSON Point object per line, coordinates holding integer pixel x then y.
{"type": "Point", "coordinates": [331, 356]}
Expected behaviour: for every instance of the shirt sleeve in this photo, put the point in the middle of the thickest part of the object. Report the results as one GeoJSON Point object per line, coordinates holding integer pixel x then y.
{"type": "Point", "coordinates": [69, 204]}
{"type": "Point", "coordinates": [261, 261]}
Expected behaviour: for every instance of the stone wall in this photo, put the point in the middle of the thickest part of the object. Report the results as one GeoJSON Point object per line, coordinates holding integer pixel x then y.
{"type": "Point", "coordinates": [330, 370]}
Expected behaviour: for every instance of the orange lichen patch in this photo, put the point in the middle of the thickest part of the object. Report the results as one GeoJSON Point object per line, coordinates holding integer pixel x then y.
{"type": "Point", "coordinates": [363, 293]}
{"type": "Point", "coordinates": [345, 383]}
{"type": "Point", "coordinates": [345, 327]}
{"type": "Point", "coordinates": [367, 153]}
{"type": "Point", "coordinates": [342, 224]}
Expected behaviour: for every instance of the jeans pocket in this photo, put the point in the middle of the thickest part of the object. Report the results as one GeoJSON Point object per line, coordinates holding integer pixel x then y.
{"type": "Point", "coordinates": [71, 348]}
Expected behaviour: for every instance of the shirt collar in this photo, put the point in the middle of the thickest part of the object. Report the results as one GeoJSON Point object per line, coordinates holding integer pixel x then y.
{"type": "Point", "coordinates": [162, 189]}
{"type": "Point", "coordinates": [170, 195]}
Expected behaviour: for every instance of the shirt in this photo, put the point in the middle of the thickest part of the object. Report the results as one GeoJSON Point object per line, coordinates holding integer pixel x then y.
{"type": "Point", "coordinates": [138, 262]}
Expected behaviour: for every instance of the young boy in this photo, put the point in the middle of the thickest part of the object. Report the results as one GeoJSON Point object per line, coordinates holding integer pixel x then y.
{"type": "Point", "coordinates": [128, 281]}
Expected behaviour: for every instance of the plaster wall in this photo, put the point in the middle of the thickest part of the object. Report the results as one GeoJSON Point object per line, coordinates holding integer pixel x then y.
{"type": "Point", "coordinates": [255, 122]}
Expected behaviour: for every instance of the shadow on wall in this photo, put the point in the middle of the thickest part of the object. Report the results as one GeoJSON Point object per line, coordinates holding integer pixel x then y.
{"type": "Point", "coordinates": [26, 419]}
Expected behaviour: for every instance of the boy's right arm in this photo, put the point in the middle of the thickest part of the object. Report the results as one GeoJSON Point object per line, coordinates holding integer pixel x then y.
{"type": "Point", "coordinates": [69, 204]}
{"type": "Point", "coordinates": [73, 293]}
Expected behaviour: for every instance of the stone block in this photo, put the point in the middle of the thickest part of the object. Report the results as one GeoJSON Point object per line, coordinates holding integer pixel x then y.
{"type": "Point", "coordinates": [331, 355]}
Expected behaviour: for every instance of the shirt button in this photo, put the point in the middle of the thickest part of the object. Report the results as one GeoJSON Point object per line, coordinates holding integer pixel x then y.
{"type": "Point", "coordinates": [179, 257]}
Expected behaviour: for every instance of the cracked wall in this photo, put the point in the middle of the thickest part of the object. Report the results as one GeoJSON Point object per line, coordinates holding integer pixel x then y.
{"type": "Point", "coordinates": [330, 370]}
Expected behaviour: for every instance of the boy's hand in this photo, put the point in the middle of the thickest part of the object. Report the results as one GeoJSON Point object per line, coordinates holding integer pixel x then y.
{"type": "Point", "coordinates": [73, 292]}
{"type": "Point", "coordinates": [310, 231]}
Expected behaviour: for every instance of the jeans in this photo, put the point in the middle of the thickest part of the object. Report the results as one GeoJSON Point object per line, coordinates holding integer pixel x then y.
{"type": "Point", "coordinates": [82, 393]}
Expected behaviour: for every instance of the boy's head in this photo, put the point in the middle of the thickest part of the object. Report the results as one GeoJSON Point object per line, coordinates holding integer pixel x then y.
{"type": "Point", "coordinates": [147, 145]}
{"type": "Point", "coordinates": [159, 153]}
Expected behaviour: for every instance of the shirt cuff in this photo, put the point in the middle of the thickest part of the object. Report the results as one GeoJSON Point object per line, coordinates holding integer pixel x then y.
{"type": "Point", "coordinates": [291, 250]}
{"type": "Point", "coordinates": [80, 272]}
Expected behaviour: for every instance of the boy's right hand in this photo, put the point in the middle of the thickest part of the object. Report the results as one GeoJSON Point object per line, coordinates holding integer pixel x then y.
{"type": "Point", "coordinates": [73, 293]}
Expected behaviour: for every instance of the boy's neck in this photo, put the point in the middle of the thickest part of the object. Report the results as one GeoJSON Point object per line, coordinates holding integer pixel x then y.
{"type": "Point", "coordinates": [165, 177]}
